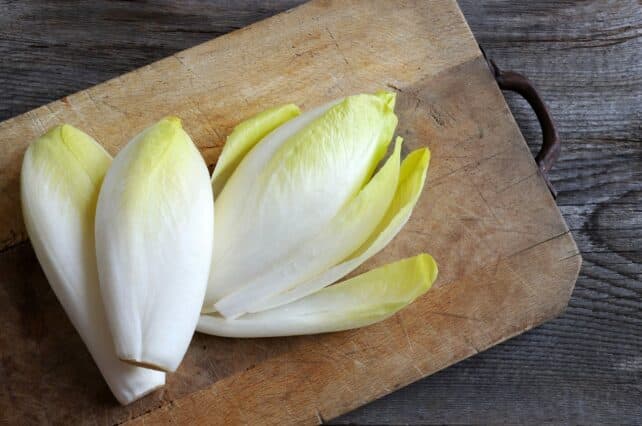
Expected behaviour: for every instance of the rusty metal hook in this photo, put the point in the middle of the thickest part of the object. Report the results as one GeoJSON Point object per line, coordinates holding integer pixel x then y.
{"type": "Point", "coordinates": [551, 144]}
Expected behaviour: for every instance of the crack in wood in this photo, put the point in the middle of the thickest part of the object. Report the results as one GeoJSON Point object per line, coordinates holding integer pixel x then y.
{"type": "Point", "coordinates": [336, 43]}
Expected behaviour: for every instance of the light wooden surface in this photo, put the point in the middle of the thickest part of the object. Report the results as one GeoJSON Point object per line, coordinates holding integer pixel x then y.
{"type": "Point", "coordinates": [461, 76]}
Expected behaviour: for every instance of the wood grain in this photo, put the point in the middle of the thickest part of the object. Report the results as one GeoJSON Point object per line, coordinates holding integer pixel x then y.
{"type": "Point", "coordinates": [556, 373]}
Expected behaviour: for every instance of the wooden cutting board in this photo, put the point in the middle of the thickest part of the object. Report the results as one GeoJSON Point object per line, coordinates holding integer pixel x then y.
{"type": "Point", "coordinates": [507, 260]}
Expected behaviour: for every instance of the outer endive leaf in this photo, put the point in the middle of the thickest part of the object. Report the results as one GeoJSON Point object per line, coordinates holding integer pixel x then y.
{"type": "Point", "coordinates": [344, 234]}
{"type": "Point", "coordinates": [357, 302]}
{"type": "Point", "coordinates": [61, 175]}
{"type": "Point", "coordinates": [245, 136]}
{"type": "Point", "coordinates": [292, 183]}
{"type": "Point", "coordinates": [411, 182]}
{"type": "Point", "coordinates": [154, 225]}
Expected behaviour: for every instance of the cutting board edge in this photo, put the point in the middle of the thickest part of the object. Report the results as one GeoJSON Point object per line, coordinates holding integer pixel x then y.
{"type": "Point", "coordinates": [208, 399]}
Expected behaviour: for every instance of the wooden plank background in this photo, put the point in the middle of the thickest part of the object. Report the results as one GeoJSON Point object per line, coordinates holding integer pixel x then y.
{"type": "Point", "coordinates": [586, 59]}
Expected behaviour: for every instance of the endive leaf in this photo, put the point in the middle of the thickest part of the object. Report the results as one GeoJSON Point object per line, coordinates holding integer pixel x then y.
{"type": "Point", "coordinates": [357, 302]}
{"type": "Point", "coordinates": [154, 225]}
{"type": "Point", "coordinates": [252, 165]}
{"type": "Point", "coordinates": [411, 182]}
{"type": "Point", "coordinates": [291, 185]}
{"type": "Point", "coordinates": [344, 234]}
{"type": "Point", "coordinates": [61, 175]}
{"type": "Point", "coordinates": [245, 136]}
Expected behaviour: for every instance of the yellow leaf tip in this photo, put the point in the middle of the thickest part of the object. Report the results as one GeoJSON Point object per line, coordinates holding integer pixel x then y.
{"type": "Point", "coordinates": [174, 121]}
{"type": "Point", "coordinates": [420, 156]}
{"type": "Point", "coordinates": [429, 267]}
{"type": "Point", "coordinates": [293, 108]}
{"type": "Point", "coordinates": [57, 129]}
{"type": "Point", "coordinates": [389, 98]}
{"type": "Point", "coordinates": [67, 130]}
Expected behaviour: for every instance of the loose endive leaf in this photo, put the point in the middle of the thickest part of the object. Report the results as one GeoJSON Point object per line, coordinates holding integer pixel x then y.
{"type": "Point", "coordinates": [342, 236]}
{"type": "Point", "coordinates": [244, 137]}
{"type": "Point", "coordinates": [288, 188]}
{"type": "Point", "coordinates": [253, 165]}
{"type": "Point", "coordinates": [357, 302]}
{"type": "Point", "coordinates": [411, 182]}
{"type": "Point", "coordinates": [61, 175]}
{"type": "Point", "coordinates": [154, 225]}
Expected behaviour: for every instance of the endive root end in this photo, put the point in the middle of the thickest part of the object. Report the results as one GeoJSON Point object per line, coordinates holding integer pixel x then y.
{"type": "Point", "coordinates": [138, 396]}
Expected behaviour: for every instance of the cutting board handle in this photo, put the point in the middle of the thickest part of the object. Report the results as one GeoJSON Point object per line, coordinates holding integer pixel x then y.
{"type": "Point", "coordinates": [551, 144]}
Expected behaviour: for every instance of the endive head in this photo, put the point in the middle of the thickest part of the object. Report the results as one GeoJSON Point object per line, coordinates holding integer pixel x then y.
{"type": "Point", "coordinates": [62, 173]}
{"type": "Point", "coordinates": [293, 182]}
{"type": "Point", "coordinates": [154, 225]}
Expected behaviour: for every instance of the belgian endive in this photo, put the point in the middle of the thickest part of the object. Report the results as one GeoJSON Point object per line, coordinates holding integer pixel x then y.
{"type": "Point", "coordinates": [300, 205]}
{"type": "Point", "coordinates": [61, 175]}
{"type": "Point", "coordinates": [154, 225]}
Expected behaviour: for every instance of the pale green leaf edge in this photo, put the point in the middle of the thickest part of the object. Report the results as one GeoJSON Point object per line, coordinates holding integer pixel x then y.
{"type": "Point", "coordinates": [245, 136]}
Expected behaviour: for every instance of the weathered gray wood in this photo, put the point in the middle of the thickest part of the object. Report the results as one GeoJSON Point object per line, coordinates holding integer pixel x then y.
{"type": "Point", "coordinates": [586, 59]}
